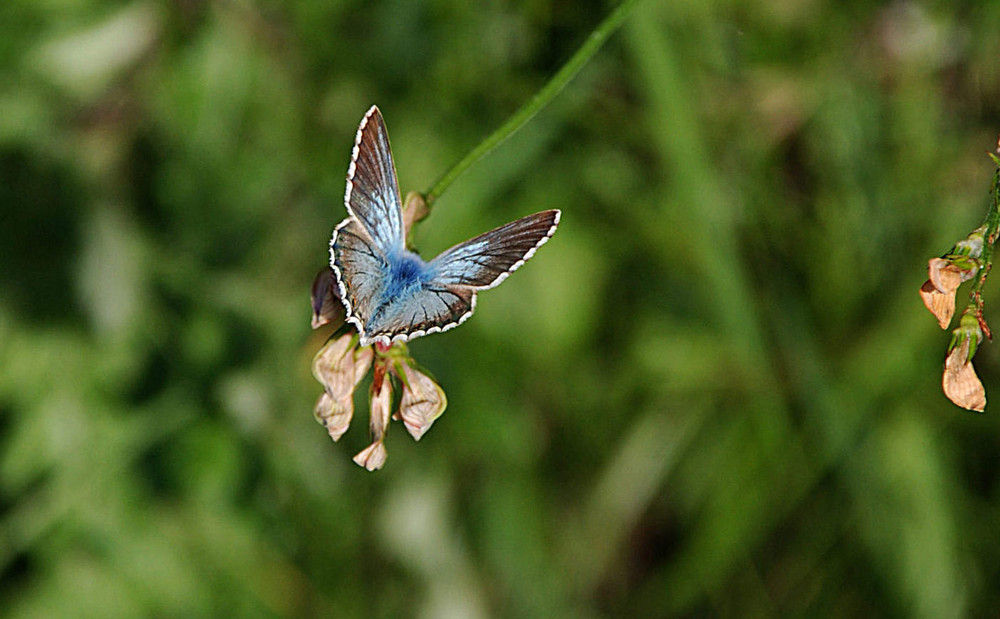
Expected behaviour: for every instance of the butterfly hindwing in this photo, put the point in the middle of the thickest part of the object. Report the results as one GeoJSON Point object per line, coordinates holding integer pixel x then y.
{"type": "Point", "coordinates": [485, 261]}
{"type": "Point", "coordinates": [360, 270]}
{"type": "Point", "coordinates": [430, 309]}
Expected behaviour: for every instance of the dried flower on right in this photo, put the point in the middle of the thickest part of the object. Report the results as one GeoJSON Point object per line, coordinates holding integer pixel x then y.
{"type": "Point", "coordinates": [970, 259]}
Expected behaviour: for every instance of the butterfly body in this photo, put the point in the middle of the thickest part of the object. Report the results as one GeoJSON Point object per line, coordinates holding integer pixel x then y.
{"type": "Point", "coordinates": [407, 272]}
{"type": "Point", "coordinates": [406, 275]}
{"type": "Point", "coordinates": [391, 294]}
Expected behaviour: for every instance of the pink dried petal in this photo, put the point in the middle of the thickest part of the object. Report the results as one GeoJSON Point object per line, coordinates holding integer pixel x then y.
{"type": "Point", "coordinates": [326, 304]}
{"type": "Point", "coordinates": [414, 209]}
{"type": "Point", "coordinates": [334, 367]}
{"type": "Point", "coordinates": [334, 415]}
{"type": "Point", "coordinates": [362, 361]}
{"type": "Point", "coordinates": [959, 381]}
{"type": "Point", "coordinates": [339, 366]}
{"type": "Point", "coordinates": [372, 457]}
{"type": "Point", "coordinates": [941, 304]}
{"type": "Point", "coordinates": [944, 275]}
{"type": "Point", "coordinates": [423, 401]}
{"type": "Point", "coordinates": [380, 402]}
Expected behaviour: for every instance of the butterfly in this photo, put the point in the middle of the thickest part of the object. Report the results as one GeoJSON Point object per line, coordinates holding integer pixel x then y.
{"type": "Point", "coordinates": [390, 293]}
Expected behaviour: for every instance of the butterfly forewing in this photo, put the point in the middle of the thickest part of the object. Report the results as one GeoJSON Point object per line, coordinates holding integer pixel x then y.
{"type": "Point", "coordinates": [485, 261]}
{"type": "Point", "coordinates": [372, 195]}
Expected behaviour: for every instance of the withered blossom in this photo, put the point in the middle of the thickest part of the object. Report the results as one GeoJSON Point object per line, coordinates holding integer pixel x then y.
{"type": "Point", "coordinates": [944, 278]}
{"type": "Point", "coordinates": [959, 381]}
{"type": "Point", "coordinates": [339, 367]}
{"type": "Point", "coordinates": [326, 304]}
{"type": "Point", "coordinates": [971, 257]}
{"type": "Point", "coordinates": [414, 209]}
{"type": "Point", "coordinates": [373, 457]}
{"type": "Point", "coordinates": [423, 400]}
{"type": "Point", "coordinates": [946, 274]}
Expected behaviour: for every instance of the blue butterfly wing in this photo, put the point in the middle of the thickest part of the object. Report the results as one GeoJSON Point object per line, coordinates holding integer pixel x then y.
{"type": "Point", "coordinates": [429, 309]}
{"type": "Point", "coordinates": [372, 194]}
{"type": "Point", "coordinates": [384, 308]}
{"type": "Point", "coordinates": [364, 244]}
{"type": "Point", "coordinates": [487, 260]}
{"type": "Point", "coordinates": [447, 296]}
{"type": "Point", "coordinates": [360, 270]}
{"type": "Point", "coordinates": [368, 249]}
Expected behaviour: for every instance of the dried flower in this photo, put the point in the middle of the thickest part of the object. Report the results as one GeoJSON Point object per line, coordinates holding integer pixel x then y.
{"type": "Point", "coordinates": [339, 367]}
{"type": "Point", "coordinates": [945, 274]}
{"type": "Point", "coordinates": [423, 400]}
{"type": "Point", "coordinates": [972, 257]}
{"type": "Point", "coordinates": [326, 304]}
{"type": "Point", "coordinates": [959, 381]}
{"type": "Point", "coordinates": [414, 209]}
{"type": "Point", "coordinates": [373, 457]}
{"type": "Point", "coordinates": [944, 277]}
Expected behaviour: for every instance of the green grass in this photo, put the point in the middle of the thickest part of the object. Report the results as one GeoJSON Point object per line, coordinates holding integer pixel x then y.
{"type": "Point", "coordinates": [715, 392]}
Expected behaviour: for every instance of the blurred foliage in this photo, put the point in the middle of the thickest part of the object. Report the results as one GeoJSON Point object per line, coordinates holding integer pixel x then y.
{"type": "Point", "coordinates": [715, 392]}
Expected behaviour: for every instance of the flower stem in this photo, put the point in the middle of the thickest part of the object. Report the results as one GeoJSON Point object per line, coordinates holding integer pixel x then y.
{"type": "Point", "coordinates": [548, 92]}
{"type": "Point", "coordinates": [991, 233]}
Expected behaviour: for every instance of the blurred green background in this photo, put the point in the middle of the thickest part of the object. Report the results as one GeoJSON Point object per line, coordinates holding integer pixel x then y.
{"type": "Point", "coordinates": [715, 392]}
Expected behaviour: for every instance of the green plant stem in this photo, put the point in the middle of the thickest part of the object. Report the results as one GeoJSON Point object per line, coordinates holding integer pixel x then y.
{"type": "Point", "coordinates": [990, 236]}
{"type": "Point", "coordinates": [548, 92]}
